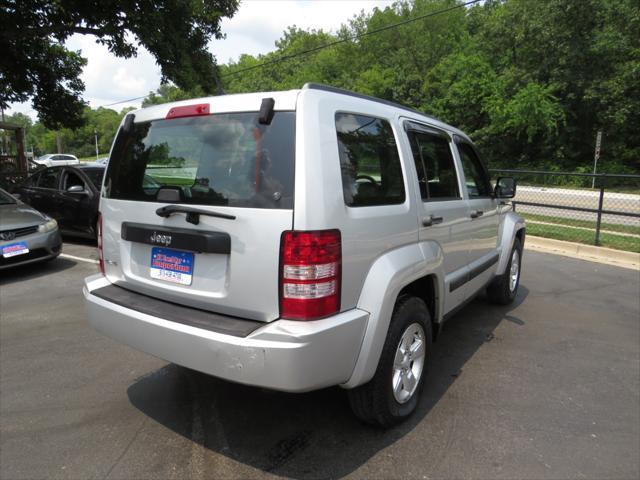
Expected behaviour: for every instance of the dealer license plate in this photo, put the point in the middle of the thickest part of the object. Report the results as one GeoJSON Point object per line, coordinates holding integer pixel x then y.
{"type": "Point", "coordinates": [14, 249]}
{"type": "Point", "coordinates": [172, 265]}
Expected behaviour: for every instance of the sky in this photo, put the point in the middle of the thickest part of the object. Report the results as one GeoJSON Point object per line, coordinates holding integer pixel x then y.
{"type": "Point", "coordinates": [254, 29]}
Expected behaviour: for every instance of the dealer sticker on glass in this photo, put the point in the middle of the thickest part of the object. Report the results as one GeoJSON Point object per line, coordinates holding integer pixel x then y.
{"type": "Point", "coordinates": [172, 265]}
{"type": "Point", "coordinates": [14, 249]}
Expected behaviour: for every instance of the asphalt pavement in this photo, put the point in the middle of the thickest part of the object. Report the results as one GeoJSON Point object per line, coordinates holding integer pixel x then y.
{"type": "Point", "coordinates": [546, 388]}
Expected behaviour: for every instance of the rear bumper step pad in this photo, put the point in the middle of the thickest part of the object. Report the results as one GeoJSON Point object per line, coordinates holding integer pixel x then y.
{"type": "Point", "coordinates": [214, 322]}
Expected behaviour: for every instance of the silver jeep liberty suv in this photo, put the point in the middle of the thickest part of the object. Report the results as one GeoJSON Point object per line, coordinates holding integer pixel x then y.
{"type": "Point", "coordinates": [298, 240]}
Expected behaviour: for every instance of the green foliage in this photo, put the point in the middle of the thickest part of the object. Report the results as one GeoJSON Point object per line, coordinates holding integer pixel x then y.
{"type": "Point", "coordinates": [170, 93]}
{"type": "Point", "coordinates": [102, 122]}
{"type": "Point", "coordinates": [35, 63]}
{"type": "Point", "coordinates": [531, 81]}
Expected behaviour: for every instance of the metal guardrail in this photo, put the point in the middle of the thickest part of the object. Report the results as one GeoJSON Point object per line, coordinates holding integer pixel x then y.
{"type": "Point", "coordinates": [563, 205]}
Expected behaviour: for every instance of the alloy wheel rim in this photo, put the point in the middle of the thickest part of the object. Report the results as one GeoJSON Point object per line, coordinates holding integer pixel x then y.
{"type": "Point", "coordinates": [408, 363]}
{"type": "Point", "coordinates": [515, 270]}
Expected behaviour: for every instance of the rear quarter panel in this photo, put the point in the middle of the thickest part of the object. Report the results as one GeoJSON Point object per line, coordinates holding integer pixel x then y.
{"type": "Point", "coordinates": [367, 232]}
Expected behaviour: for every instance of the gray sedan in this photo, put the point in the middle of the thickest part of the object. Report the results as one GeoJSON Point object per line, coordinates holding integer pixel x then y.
{"type": "Point", "coordinates": [26, 235]}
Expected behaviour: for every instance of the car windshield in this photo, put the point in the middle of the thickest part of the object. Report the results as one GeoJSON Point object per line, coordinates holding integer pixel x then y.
{"type": "Point", "coordinates": [224, 159]}
{"type": "Point", "coordinates": [5, 198]}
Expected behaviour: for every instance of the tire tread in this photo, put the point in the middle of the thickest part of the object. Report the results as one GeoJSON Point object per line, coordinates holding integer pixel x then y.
{"type": "Point", "coordinates": [370, 402]}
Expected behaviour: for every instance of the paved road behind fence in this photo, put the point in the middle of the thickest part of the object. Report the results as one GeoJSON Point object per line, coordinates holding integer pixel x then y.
{"type": "Point", "coordinates": [608, 215]}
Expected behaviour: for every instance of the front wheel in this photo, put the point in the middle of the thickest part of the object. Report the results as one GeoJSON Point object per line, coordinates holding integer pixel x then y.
{"type": "Point", "coordinates": [393, 392]}
{"type": "Point", "coordinates": [503, 288]}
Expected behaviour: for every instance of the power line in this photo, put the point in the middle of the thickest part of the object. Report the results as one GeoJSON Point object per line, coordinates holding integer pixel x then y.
{"type": "Point", "coordinates": [349, 38]}
{"type": "Point", "coordinates": [125, 101]}
{"type": "Point", "coordinates": [326, 45]}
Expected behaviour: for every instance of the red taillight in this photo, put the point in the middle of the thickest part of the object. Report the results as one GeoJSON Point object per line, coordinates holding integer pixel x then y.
{"type": "Point", "coordinates": [310, 274]}
{"type": "Point", "coordinates": [189, 111]}
{"type": "Point", "coordinates": [100, 254]}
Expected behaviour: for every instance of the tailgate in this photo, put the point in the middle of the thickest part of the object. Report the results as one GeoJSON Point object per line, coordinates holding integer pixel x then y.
{"type": "Point", "coordinates": [226, 182]}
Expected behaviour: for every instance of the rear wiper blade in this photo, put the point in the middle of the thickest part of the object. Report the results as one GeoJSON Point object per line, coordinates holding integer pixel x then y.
{"type": "Point", "coordinates": [193, 214]}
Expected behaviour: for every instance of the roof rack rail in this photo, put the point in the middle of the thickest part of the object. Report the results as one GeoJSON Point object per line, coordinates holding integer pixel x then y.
{"type": "Point", "coordinates": [342, 91]}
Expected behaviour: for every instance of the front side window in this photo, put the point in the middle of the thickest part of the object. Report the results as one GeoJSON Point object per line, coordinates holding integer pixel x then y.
{"type": "Point", "coordinates": [223, 159]}
{"type": "Point", "coordinates": [437, 177]}
{"type": "Point", "coordinates": [369, 161]}
{"type": "Point", "coordinates": [72, 179]}
{"type": "Point", "coordinates": [476, 177]}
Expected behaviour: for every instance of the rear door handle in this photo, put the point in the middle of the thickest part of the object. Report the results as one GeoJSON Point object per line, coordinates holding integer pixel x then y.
{"type": "Point", "coordinates": [477, 213]}
{"type": "Point", "coordinates": [431, 220]}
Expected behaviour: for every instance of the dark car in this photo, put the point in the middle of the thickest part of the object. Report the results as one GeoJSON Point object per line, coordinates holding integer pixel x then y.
{"type": "Point", "coordinates": [70, 194]}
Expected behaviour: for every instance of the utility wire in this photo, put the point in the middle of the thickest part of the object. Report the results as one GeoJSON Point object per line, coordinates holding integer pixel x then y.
{"type": "Point", "coordinates": [126, 101]}
{"type": "Point", "coordinates": [349, 38]}
{"type": "Point", "coordinates": [326, 45]}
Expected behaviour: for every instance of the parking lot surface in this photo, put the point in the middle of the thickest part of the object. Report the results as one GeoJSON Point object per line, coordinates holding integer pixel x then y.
{"type": "Point", "coordinates": [546, 388]}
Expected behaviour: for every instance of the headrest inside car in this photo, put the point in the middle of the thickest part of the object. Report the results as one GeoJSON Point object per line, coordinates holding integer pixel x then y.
{"type": "Point", "coordinates": [169, 194]}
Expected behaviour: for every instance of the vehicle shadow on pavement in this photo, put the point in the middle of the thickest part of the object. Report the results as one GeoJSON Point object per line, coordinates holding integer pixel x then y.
{"type": "Point", "coordinates": [310, 435]}
{"type": "Point", "coordinates": [74, 240]}
{"type": "Point", "coordinates": [23, 273]}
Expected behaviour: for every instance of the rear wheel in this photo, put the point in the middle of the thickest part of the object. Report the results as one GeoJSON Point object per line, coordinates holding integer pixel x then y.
{"type": "Point", "coordinates": [393, 392]}
{"type": "Point", "coordinates": [503, 288]}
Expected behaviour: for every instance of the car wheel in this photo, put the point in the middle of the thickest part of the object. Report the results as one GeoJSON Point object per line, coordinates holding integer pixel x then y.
{"type": "Point", "coordinates": [392, 394]}
{"type": "Point", "coordinates": [503, 288]}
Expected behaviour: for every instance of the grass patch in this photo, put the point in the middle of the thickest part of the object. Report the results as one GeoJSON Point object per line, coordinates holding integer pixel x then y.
{"type": "Point", "coordinates": [582, 223]}
{"type": "Point", "coordinates": [610, 240]}
{"type": "Point", "coordinates": [608, 189]}
{"type": "Point", "coordinates": [176, 181]}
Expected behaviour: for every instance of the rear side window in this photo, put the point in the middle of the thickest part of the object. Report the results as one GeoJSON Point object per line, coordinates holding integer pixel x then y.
{"type": "Point", "coordinates": [95, 175]}
{"type": "Point", "coordinates": [369, 161]}
{"type": "Point", "coordinates": [32, 181]}
{"type": "Point", "coordinates": [49, 179]}
{"type": "Point", "coordinates": [436, 169]}
{"type": "Point", "coordinates": [224, 159]}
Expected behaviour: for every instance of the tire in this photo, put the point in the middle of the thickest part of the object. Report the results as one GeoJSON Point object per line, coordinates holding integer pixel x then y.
{"type": "Point", "coordinates": [503, 289]}
{"type": "Point", "coordinates": [376, 402]}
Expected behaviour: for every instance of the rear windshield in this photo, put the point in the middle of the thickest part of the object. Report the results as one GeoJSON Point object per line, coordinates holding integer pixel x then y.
{"type": "Point", "coordinates": [224, 159]}
{"type": "Point", "coordinates": [5, 198]}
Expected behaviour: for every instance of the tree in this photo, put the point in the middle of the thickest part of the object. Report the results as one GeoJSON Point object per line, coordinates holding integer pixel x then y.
{"type": "Point", "coordinates": [35, 63]}
{"type": "Point", "coordinates": [584, 58]}
{"type": "Point", "coordinates": [170, 93]}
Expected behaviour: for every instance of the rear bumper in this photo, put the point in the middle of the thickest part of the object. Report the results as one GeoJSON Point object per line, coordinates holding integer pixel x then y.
{"type": "Point", "coordinates": [281, 355]}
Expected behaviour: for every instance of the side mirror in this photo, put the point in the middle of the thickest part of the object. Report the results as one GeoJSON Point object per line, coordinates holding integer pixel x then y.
{"type": "Point", "coordinates": [17, 195]}
{"type": "Point", "coordinates": [505, 187]}
{"type": "Point", "coordinates": [76, 190]}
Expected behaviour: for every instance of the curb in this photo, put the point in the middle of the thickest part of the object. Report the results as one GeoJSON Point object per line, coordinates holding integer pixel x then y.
{"type": "Point", "coordinates": [581, 251]}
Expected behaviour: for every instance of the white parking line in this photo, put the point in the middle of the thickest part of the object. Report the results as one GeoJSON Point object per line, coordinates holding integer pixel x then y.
{"type": "Point", "coordinates": [80, 259]}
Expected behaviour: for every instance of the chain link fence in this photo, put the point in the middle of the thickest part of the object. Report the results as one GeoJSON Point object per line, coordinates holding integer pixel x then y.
{"type": "Point", "coordinates": [601, 209]}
